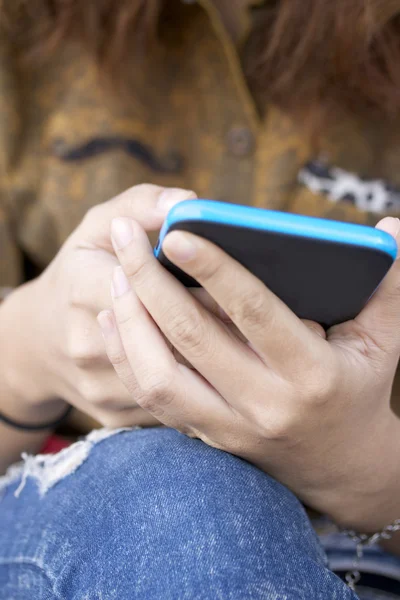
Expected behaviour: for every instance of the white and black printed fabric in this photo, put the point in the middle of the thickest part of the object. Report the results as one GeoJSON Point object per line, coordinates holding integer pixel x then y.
{"type": "Point", "coordinates": [372, 195]}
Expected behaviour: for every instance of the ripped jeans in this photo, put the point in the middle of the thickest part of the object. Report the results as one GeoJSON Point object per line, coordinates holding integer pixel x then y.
{"type": "Point", "coordinates": [151, 514]}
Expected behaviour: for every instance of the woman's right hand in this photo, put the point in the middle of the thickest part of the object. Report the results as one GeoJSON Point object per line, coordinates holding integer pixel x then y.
{"type": "Point", "coordinates": [57, 350]}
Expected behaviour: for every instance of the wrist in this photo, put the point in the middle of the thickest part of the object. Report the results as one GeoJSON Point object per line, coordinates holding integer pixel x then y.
{"type": "Point", "coordinates": [24, 384]}
{"type": "Point", "coordinates": [371, 498]}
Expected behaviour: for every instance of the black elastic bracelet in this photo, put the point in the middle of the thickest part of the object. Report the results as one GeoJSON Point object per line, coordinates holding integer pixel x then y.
{"type": "Point", "coordinates": [30, 427]}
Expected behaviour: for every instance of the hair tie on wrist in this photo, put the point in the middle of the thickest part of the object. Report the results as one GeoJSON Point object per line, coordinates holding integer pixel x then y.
{"type": "Point", "coordinates": [31, 427]}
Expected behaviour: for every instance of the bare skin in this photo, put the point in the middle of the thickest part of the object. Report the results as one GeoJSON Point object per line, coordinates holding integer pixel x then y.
{"type": "Point", "coordinates": [311, 410]}
{"type": "Point", "coordinates": [50, 342]}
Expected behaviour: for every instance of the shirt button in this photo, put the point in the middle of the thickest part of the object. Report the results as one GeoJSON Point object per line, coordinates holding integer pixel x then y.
{"type": "Point", "coordinates": [240, 141]}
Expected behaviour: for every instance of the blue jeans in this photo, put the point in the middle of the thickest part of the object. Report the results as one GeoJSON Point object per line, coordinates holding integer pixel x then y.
{"type": "Point", "coordinates": [151, 514]}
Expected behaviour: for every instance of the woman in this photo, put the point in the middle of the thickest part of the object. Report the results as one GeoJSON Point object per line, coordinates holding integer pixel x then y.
{"type": "Point", "coordinates": [231, 100]}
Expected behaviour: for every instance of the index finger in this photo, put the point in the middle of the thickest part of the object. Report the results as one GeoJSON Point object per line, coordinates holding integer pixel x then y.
{"type": "Point", "coordinates": [277, 334]}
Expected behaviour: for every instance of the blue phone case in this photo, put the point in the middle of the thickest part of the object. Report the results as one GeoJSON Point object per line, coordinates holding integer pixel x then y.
{"type": "Point", "coordinates": [323, 270]}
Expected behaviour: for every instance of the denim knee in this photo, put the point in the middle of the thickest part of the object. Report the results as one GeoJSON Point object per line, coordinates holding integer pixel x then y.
{"type": "Point", "coordinates": [154, 514]}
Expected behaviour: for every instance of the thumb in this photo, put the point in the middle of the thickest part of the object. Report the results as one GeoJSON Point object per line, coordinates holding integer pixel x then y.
{"type": "Point", "coordinates": [147, 204]}
{"type": "Point", "coordinates": [381, 317]}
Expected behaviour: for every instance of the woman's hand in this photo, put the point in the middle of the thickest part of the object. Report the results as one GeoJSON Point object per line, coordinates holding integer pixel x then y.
{"type": "Point", "coordinates": [57, 349]}
{"type": "Point", "coordinates": [313, 411]}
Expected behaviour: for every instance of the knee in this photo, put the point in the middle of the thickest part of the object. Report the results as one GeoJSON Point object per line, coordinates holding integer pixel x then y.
{"type": "Point", "coordinates": [181, 489]}
{"type": "Point", "coordinates": [163, 482]}
{"type": "Point", "coordinates": [157, 471]}
{"type": "Point", "coordinates": [154, 514]}
{"type": "Point", "coordinates": [187, 517]}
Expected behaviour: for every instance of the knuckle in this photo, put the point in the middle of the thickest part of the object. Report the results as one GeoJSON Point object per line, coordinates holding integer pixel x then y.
{"type": "Point", "coordinates": [129, 380]}
{"type": "Point", "coordinates": [211, 270]}
{"type": "Point", "coordinates": [124, 317]}
{"type": "Point", "coordinates": [140, 270]}
{"type": "Point", "coordinates": [92, 393]}
{"type": "Point", "coordinates": [187, 331]}
{"type": "Point", "coordinates": [135, 197]}
{"type": "Point", "coordinates": [250, 309]}
{"type": "Point", "coordinates": [75, 297]}
{"type": "Point", "coordinates": [157, 392]}
{"type": "Point", "coordinates": [320, 386]}
{"type": "Point", "coordinates": [393, 291]}
{"type": "Point", "coordinates": [278, 427]}
{"type": "Point", "coordinates": [276, 419]}
{"type": "Point", "coordinates": [78, 294]}
{"type": "Point", "coordinates": [368, 346]}
{"type": "Point", "coordinates": [150, 407]}
{"type": "Point", "coordinates": [82, 353]}
{"type": "Point", "coordinates": [117, 358]}
{"type": "Point", "coordinates": [143, 188]}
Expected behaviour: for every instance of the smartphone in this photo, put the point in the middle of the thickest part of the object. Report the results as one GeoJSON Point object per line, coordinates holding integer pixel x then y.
{"type": "Point", "coordinates": [323, 270]}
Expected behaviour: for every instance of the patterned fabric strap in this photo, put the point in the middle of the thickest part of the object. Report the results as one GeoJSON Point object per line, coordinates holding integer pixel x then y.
{"type": "Point", "coordinates": [370, 195]}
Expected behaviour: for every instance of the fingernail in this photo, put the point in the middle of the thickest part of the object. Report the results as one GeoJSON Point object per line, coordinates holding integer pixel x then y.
{"type": "Point", "coordinates": [181, 248]}
{"type": "Point", "coordinates": [171, 196]}
{"type": "Point", "coordinates": [391, 225]}
{"type": "Point", "coordinates": [106, 321]}
{"type": "Point", "coordinates": [120, 284]}
{"type": "Point", "coordinates": [121, 232]}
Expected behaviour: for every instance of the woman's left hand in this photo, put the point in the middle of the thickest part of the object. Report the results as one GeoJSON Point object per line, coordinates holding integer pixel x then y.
{"type": "Point", "coordinates": [309, 408]}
